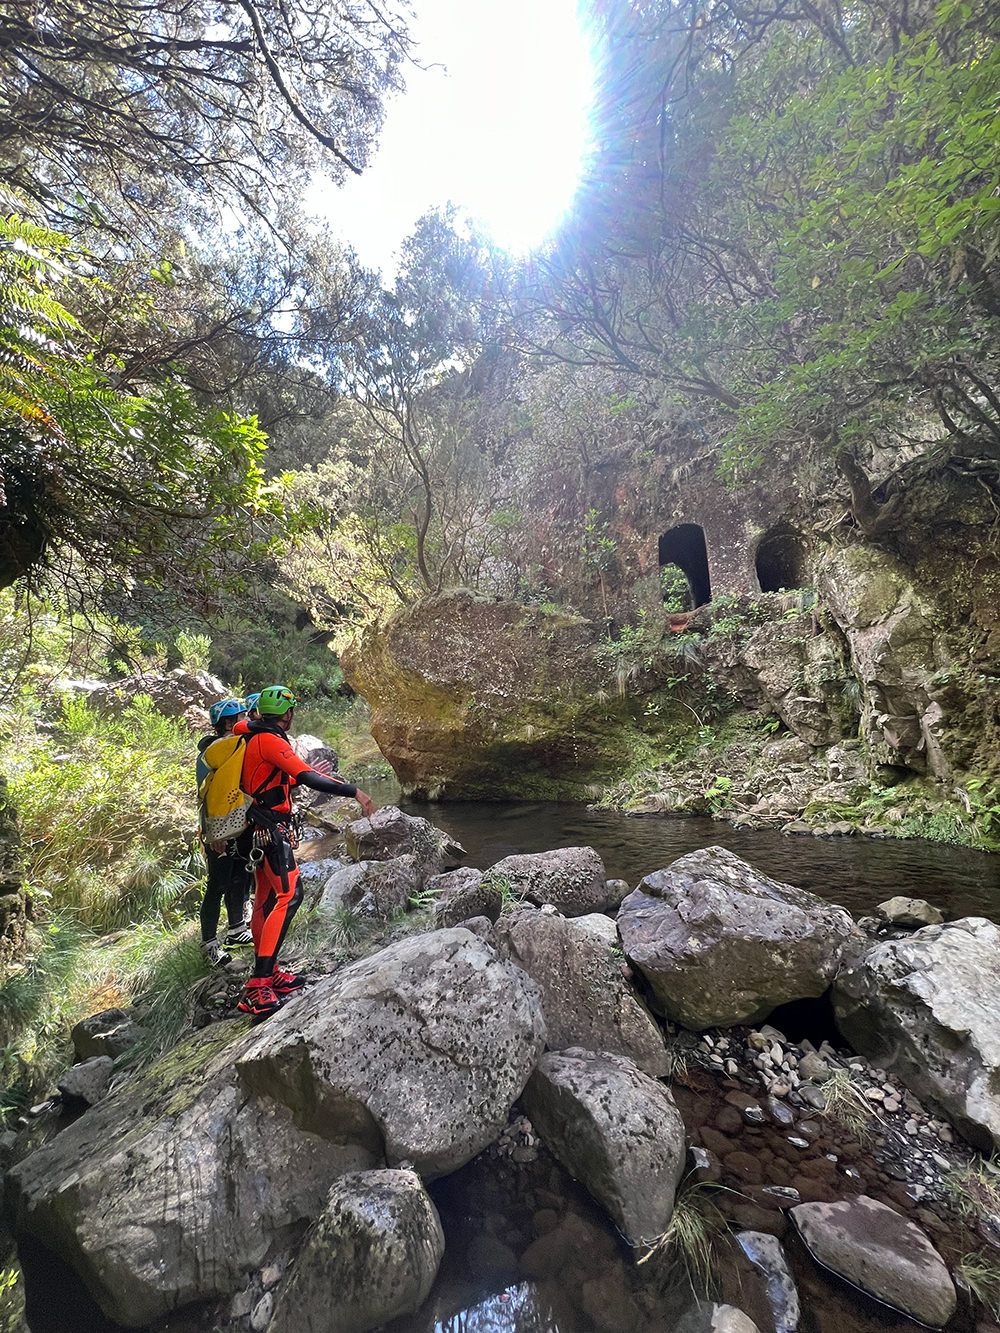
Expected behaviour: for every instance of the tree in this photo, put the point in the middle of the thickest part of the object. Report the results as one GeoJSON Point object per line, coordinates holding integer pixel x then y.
{"type": "Point", "coordinates": [791, 234]}
{"type": "Point", "coordinates": [113, 478]}
{"type": "Point", "coordinates": [112, 109]}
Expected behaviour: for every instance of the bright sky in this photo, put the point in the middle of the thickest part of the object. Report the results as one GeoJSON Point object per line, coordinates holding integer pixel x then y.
{"type": "Point", "coordinates": [501, 131]}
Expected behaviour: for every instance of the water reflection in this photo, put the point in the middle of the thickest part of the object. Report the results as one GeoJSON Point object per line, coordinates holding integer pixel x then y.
{"type": "Point", "coordinates": [520, 1308]}
{"type": "Point", "coordinates": [856, 872]}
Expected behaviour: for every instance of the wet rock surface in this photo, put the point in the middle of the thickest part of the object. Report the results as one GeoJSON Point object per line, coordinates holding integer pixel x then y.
{"type": "Point", "coordinates": [570, 879]}
{"type": "Point", "coordinates": [721, 944]}
{"type": "Point", "coordinates": [925, 1007]}
{"type": "Point", "coordinates": [614, 1129]}
{"type": "Point", "coordinates": [579, 968]}
{"type": "Point", "coordinates": [872, 1246]}
{"type": "Point", "coordinates": [371, 1256]}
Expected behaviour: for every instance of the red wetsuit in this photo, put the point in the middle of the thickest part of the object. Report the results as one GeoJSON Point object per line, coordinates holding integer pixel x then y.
{"type": "Point", "coordinates": [270, 769]}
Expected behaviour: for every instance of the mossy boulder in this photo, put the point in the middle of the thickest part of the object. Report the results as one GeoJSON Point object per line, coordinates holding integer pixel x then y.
{"type": "Point", "coordinates": [471, 697]}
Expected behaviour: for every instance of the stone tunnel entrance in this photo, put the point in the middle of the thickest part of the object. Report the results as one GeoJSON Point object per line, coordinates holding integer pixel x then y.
{"type": "Point", "coordinates": [781, 560]}
{"type": "Point", "coordinates": [684, 546]}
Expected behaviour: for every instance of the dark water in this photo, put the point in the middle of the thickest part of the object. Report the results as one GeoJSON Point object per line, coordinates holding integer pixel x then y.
{"type": "Point", "coordinates": [855, 872]}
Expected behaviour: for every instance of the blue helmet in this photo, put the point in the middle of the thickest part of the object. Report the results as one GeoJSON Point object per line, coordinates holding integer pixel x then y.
{"type": "Point", "coordinates": [226, 708]}
{"type": "Point", "coordinates": [252, 700]}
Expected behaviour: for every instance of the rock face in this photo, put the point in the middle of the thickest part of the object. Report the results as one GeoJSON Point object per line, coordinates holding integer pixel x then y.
{"type": "Point", "coordinates": [372, 1256]}
{"type": "Point", "coordinates": [571, 879]}
{"type": "Point", "coordinates": [801, 675]}
{"type": "Point", "coordinates": [926, 1009]}
{"type": "Point", "coordinates": [616, 1130]}
{"type": "Point", "coordinates": [169, 1191]}
{"type": "Point", "coordinates": [766, 1254]}
{"type": "Point", "coordinates": [874, 1247]}
{"type": "Point", "coordinates": [463, 702]}
{"type": "Point", "coordinates": [462, 895]}
{"type": "Point", "coordinates": [587, 1002]}
{"type": "Point", "coordinates": [111, 1032]}
{"type": "Point", "coordinates": [419, 1051]}
{"type": "Point", "coordinates": [391, 833]}
{"type": "Point", "coordinates": [178, 693]}
{"type": "Point", "coordinates": [721, 944]}
{"type": "Point", "coordinates": [377, 889]}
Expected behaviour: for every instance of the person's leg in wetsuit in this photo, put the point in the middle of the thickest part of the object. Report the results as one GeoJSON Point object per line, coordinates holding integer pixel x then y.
{"type": "Point", "coordinates": [277, 900]}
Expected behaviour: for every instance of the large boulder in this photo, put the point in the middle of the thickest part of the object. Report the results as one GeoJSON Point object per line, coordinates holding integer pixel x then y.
{"type": "Point", "coordinates": [171, 1190]}
{"type": "Point", "coordinates": [179, 693]}
{"type": "Point", "coordinates": [616, 1130]}
{"type": "Point", "coordinates": [390, 833]}
{"type": "Point", "coordinates": [881, 1252]}
{"type": "Point", "coordinates": [460, 895]}
{"type": "Point", "coordinates": [719, 943]}
{"type": "Point", "coordinates": [378, 889]}
{"type": "Point", "coordinates": [422, 1047]}
{"type": "Point", "coordinates": [578, 967]}
{"type": "Point", "coordinates": [571, 879]}
{"type": "Point", "coordinates": [371, 1257]}
{"type": "Point", "coordinates": [476, 697]}
{"type": "Point", "coordinates": [926, 1008]}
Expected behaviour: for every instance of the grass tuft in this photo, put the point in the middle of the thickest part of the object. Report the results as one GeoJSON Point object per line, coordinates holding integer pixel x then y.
{"type": "Point", "coordinates": [847, 1104]}
{"type": "Point", "coordinates": [692, 1236]}
{"type": "Point", "coordinates": [981, 1272]}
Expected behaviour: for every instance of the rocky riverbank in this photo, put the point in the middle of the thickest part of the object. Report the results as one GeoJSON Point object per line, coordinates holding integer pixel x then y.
{"type": "Point", "coordinates": [680, 1050]}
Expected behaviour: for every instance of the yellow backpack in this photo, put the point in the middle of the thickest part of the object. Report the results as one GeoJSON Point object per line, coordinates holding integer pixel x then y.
{"type": "Point", "coordinates": [224, 804]}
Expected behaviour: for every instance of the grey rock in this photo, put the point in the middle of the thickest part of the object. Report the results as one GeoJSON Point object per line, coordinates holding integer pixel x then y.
{"type": "Point", "coordinates": [377, 889]}
{"type": "Point", "coordinates": [421, 1049]}
{"type": "Point", "coordinates": [478, 925]}
{"type": "Point", "coordinates": [170, 1191]}
{"type": "Point", "coordinates": [577, 966]}
{"type": "Point", "coordinates": [766, 1254]}
{"type": "Point", "coordinates": [261, 1316]}
{"type": "Point", "coordinates": [721, 944]}
{"type": "Point", "coordinates": [571, 879]}
{"type": "Point", "coordinates": [177, 693]}
{"type": "Point", "coordinates": [915, 912]}
{"type": "Point", "coordinates": [882, 1252]}
{"type": "Point", "coordinates": [618, 890]}
{"type": "Point", "coordinates": [616, 1130]}
{"type": "Point", "coordinates": [371, 1257]}
{"type": "Point", "coordinates": [708, 1317]}
{"type": "Point", "coordinates": [88, 1081]}
{"type": "Point", "coordinates": [391, 833]}
{"type": "Point", "coordinates": [926, 1009]}
{"type": "Point", "coordinates": [462, 894]}
{"type": "Point", "coordinates": [111, 1032]}
{"type": "Point", "coordinates": [814, 1068]}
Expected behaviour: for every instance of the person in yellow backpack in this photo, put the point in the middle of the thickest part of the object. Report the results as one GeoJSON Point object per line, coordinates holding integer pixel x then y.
{"type": "Point", "coordinates": [230, 878]}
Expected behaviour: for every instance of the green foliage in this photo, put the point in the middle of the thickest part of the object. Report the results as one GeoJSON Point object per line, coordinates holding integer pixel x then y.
{"type": "Point", "coordinates": [194, 650]}
{"type": "Point", "coordinates": [628, 656]}
{"type": "Point", "coordinates": [693, 1236]}
{"type": "Point", "coordinates": [717, 794]}
{"type": "Point", "coordinates": [106, 814]}
{"type": "Point", "coordinates": [980, 1270]}
{"type": "Point", "coordinates": [675, 589]}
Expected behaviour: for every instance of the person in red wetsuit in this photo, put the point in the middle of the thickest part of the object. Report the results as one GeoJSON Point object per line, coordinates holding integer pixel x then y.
{"type": "Point", "coordinates": [270, 769]}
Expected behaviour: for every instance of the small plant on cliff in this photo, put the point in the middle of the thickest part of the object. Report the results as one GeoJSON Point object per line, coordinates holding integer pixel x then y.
{"type": "Point", "coordinates": [628, 656]}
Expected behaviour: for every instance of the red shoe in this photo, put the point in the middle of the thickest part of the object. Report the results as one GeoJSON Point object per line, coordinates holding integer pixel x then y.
{"type": "Point", "coordinates": [285, 983]}
{"type": "Point", "coordinates": [259, 998]}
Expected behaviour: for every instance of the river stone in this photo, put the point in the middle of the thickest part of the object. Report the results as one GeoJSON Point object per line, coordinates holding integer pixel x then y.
{"type": "Point", "coordinates": [429, 1042]}
{"type": "Point", "coordinates": [766, 1254]}
{"type": "Point", "coordinates": [378, 889]}
{"type": "Point", "coordinates": [173, 1188]}
{"type": "Point", "coordinates": [877, 1249]}
{"type": "Point", "coordinates": [571, 879]}
{"type": "Point", "coordinates": [390, 833]}
{"type": "Point", "coordinates": [926, 1009]}
{"type": "Point", "coordinates": [616, 1130]}
{"type": "Point", "coordinates": [462, 894]}
{"type": "Point", "coordinates": [111, 1032]}
{"type": "Point", "coordinates": [87, 1082]}
{"type": "Point", "coordinates": [371, 1257]}
{"type": "Point", "coordinates": [900, 911]}
{"type": "Point", "coordinates": [577, 965]}
{"type": "Point", "coordinates": [720, 943]}
{"type": "Point", "coordinates": [707, 1317]}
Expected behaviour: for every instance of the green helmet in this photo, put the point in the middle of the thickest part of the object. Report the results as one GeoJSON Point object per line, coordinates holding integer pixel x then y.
{"type": "Point", "coordinates": [275, 701]}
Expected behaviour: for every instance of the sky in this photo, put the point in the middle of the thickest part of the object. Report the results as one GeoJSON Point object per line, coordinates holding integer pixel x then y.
{"type": "Point", "coordinates": [498, 124]}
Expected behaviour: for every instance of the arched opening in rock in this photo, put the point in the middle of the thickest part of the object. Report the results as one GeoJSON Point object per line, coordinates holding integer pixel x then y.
{"type": "Point", "coordinates": [684, 546]}
{"type": "Point", "coordinates": [781, 560]}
